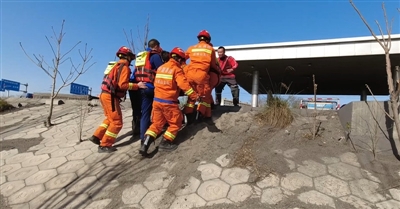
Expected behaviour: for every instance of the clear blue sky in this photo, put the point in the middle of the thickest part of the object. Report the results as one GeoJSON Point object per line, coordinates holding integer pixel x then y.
{"type": "Point", "coordinates": [174, 23]}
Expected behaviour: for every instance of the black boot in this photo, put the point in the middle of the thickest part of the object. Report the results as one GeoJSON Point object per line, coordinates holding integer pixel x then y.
{"type": "Point", "coordinates": [136, 126]}
{"type": "Point", "coordinates": [106, 149]}
{"type": "Point", "coordinates": [146, 144]}
{"type": "Point", "coordinates": [167, 145]}
{"type": "Point", "coordinates": [94, 139]}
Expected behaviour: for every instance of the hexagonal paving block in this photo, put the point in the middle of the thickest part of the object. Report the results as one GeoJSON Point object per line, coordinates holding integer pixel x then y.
{"type": "Point", "coordinates": [41, 177]}
{"type": "Point", "coordinates": [290, 153]}
{"type": "Point", "coordinates": [35, 160]}
{"type": "Point", "coordinates": [395, 193]}
{"type": "Point", "coordinates": [293, 181]}
{"type": "Point", "coordinates": [22, 173]}
{"type": "Point", "coordinates": [71, 166]}
{"type": "Point", "coordinates": [82, 185]}
{"type": "Point", "coordinates": [10, 168]}
{"type": "Point", "coordinates": [158, 180]}
{"type": "Point", "coordinates": [344, 171]}
{"type": "Point", "coordinates": [235, 175]}
{"type": "Point", "coordinates": [316, 198]}
{"type": "Point", "coordinates": [67, 144]}
{"type": "Point", "coordinates": [272, 196]}
{"type": "Point", "coordinates": [213, 190]}
{"type": "Point", "coordinates": [153, 199]}
{"type": "Point", "coordinates": [19, 158]}
{"type": "Point", "coordinates": [332, 186]}
{"type": "Point", "coordinates": [60, 181]}
{"type": "Point", "coordinates": [2, 180]}
{"type": "Point", "coordinates": [220, 201]}
{"type": "Point", "coordinates": [272, 180]}
{"type": "Point", "coordinates": [390, 204]}
{"type": "Point", "coordinates": [48, 199]}
{"type": "Point", "coordinates": [187, 202]}
{"type": "Point", "coordinates": [356, 202]}
{"type": "Point", "coordinates": [74, 201]}
{"type": "Point", "coordinates": [367, 190]}
{"type": "Point", "coordinates": [11, 187]}
{"type": "Point", "coordinates": [79, 155]}
{"type": "Point", "coordinates": [36, 147]}
{"type": "Point", "coordinates": [209, 171]}
{"type": "Point", "coordinates": [99, 204]}
{"type": "Point", "coordinates": [52, 163]}
{"type": "Point", "coordinates": [368, 175]}
{"type": "Point", "coordinates": [330, 160]}
{"type": "Point", "coordinates": [240, 192]}
{"type": "Point", "coordinates": [62, 152]}
{"type": "Point", "coordinates": [5, 154]}
{"type": "Point", "coordinates": [116, 159]}
{"type": "Point", "coordinates": [26, 194]}
{"type": "Point", "coordinates": [188, 188]}
{"type": "Point", "coordinates": [84, 145]}
{"type": "Point", "coordinates": [95, 158]}
{"type": "Point", "coordinates": [134, 194]}
{"type": "Point", "coordinates": [312, 168]}
{"type": "Point", "coordinates": [47, 150]}
{"type": "Point", "coordinates": [102, 189]}
{"type": "Point", "coordinates": [350, 158]}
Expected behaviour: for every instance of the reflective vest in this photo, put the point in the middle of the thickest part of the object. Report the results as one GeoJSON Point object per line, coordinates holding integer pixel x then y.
{"type": "Point", "coordinates": [110, 83]}
{"type": "Point", "coordinates": [143, 71]}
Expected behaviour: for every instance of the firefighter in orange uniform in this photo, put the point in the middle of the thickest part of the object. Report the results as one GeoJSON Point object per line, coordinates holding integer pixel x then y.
{"type": "Point", "coordinates": [202, 57]}
{"type": "Point", "coordinates": [113, 89]}
{"type": "Point", "coordinates": [168, 82]}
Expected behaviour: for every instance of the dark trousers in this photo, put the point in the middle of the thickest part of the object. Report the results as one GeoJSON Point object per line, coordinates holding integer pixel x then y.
{"type": "Point", "coordinates": [142, 105]}
{"type": "Point", "coordinates": [231, 82]}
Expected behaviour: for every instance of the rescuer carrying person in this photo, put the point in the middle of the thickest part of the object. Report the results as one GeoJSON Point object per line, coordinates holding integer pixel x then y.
{"type": "Point", "coordinates": [113, 89]}
{"type": "Point", "coordinates": [168, 82]}
{"type": "Point", "coordinates": [202, 57]}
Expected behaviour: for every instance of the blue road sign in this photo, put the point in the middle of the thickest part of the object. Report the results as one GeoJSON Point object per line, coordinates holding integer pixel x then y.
{"type": "Point", "coordinates": [10, 85]}
{"type": "Point", "coordinates": [79, 89]}
{"type": "Point", "coordinates": [1, 86]}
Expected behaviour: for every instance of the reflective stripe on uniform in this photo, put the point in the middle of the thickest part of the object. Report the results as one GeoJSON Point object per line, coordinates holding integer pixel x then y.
{"type": "Point", "coordinates": [111, 134]}
{"type": "Point", "coordinates": [104, 125]}
{"type": "Point", "coordinates": [208, 51]}
{"type": "Point", "coordinates": [205, 104]}
{"type": "Point", "coordinates": [151, 133]}
{"type": "Point", "coordinates": [170, 135]}
{"type": "Point", "coordinates": [164, 76]}
{"type": "Point", "coordinates": [130, 86]}
{"type": "Point", "coordinates": [190, 105]}
{"type": "Point", "coordinates": [189, 92]}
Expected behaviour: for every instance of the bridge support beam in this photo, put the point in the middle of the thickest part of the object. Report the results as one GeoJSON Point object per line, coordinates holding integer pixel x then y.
{"type": "Point", "coordinates": [363, 96]}
{"type": "Point", "coordinates": [254, 91]}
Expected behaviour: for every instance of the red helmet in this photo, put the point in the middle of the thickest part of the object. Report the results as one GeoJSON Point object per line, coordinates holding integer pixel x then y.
{"type": "Point", "coordinates": [125, 51]}
{"type": "Point", "coordinates": [205, 34]}
{"type": "Point", "coordinates": [178, 51]}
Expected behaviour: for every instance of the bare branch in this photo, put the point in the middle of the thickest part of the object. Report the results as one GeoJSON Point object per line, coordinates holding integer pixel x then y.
{"type": "Point", "coordinates": [382, 34]}
{"type": "Point", "coordinates": [388, 28]}
{"type": "Point", "coordinates": [372, 94]}
{"type": "Point", "coordinates": [366, 24]}
{"type": "Point", "coordinates": [39, 62]}
{"type": "Point", "coordinates": [62, 57]}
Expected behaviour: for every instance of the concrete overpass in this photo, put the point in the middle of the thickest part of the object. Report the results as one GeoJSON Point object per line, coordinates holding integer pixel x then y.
{"type": "Point", "coordinates": [341, 66]}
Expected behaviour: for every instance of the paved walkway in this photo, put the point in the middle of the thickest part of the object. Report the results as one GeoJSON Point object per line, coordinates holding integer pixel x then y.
{"type": "Point", "coordinates": [59, 173]}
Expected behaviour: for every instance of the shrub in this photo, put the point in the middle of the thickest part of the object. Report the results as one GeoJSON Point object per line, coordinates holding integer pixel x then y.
{"type": "Point", "coordinates": [276, 112]}
{"type": "Point", "coordinates": [4, 105]}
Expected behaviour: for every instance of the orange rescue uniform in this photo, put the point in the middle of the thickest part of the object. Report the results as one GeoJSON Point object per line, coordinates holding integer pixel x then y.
{"type": "Point", "coordinates": [112, 124]}
{"type": "Point", "coordinates": [168, 82]}
{"type": "Point", "coordinates": [202, 57]}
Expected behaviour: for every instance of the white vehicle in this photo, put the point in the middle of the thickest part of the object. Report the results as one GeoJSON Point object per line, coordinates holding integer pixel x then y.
{"type": "Point", "coordinates": [321, 103]}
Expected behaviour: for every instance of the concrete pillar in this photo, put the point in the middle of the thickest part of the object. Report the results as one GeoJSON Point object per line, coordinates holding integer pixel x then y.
{"type": "Point", "coordinates": [254, 91]}
{"type": "Point", "coordinates": [363, 96]}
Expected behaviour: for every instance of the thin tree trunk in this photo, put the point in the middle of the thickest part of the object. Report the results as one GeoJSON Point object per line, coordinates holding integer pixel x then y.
{"type": "Point", "coordinates": [53, 89]}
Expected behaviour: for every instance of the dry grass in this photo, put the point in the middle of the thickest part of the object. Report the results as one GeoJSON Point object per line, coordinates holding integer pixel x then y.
{"type": "Point", "coordinates": [276, 113]}
{"type": "Point", "coordinates": [244, 158]}
{"type": "Point", "coordinates": [4, 105]}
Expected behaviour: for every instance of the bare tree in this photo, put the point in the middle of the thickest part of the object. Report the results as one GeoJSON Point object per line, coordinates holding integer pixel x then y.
{"type": "Point", "coordinates": [142, 40]}
{"type": "Point", "coordinates": [53, 69]}
{"type": "Point", "coordinates": [386, 44]}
